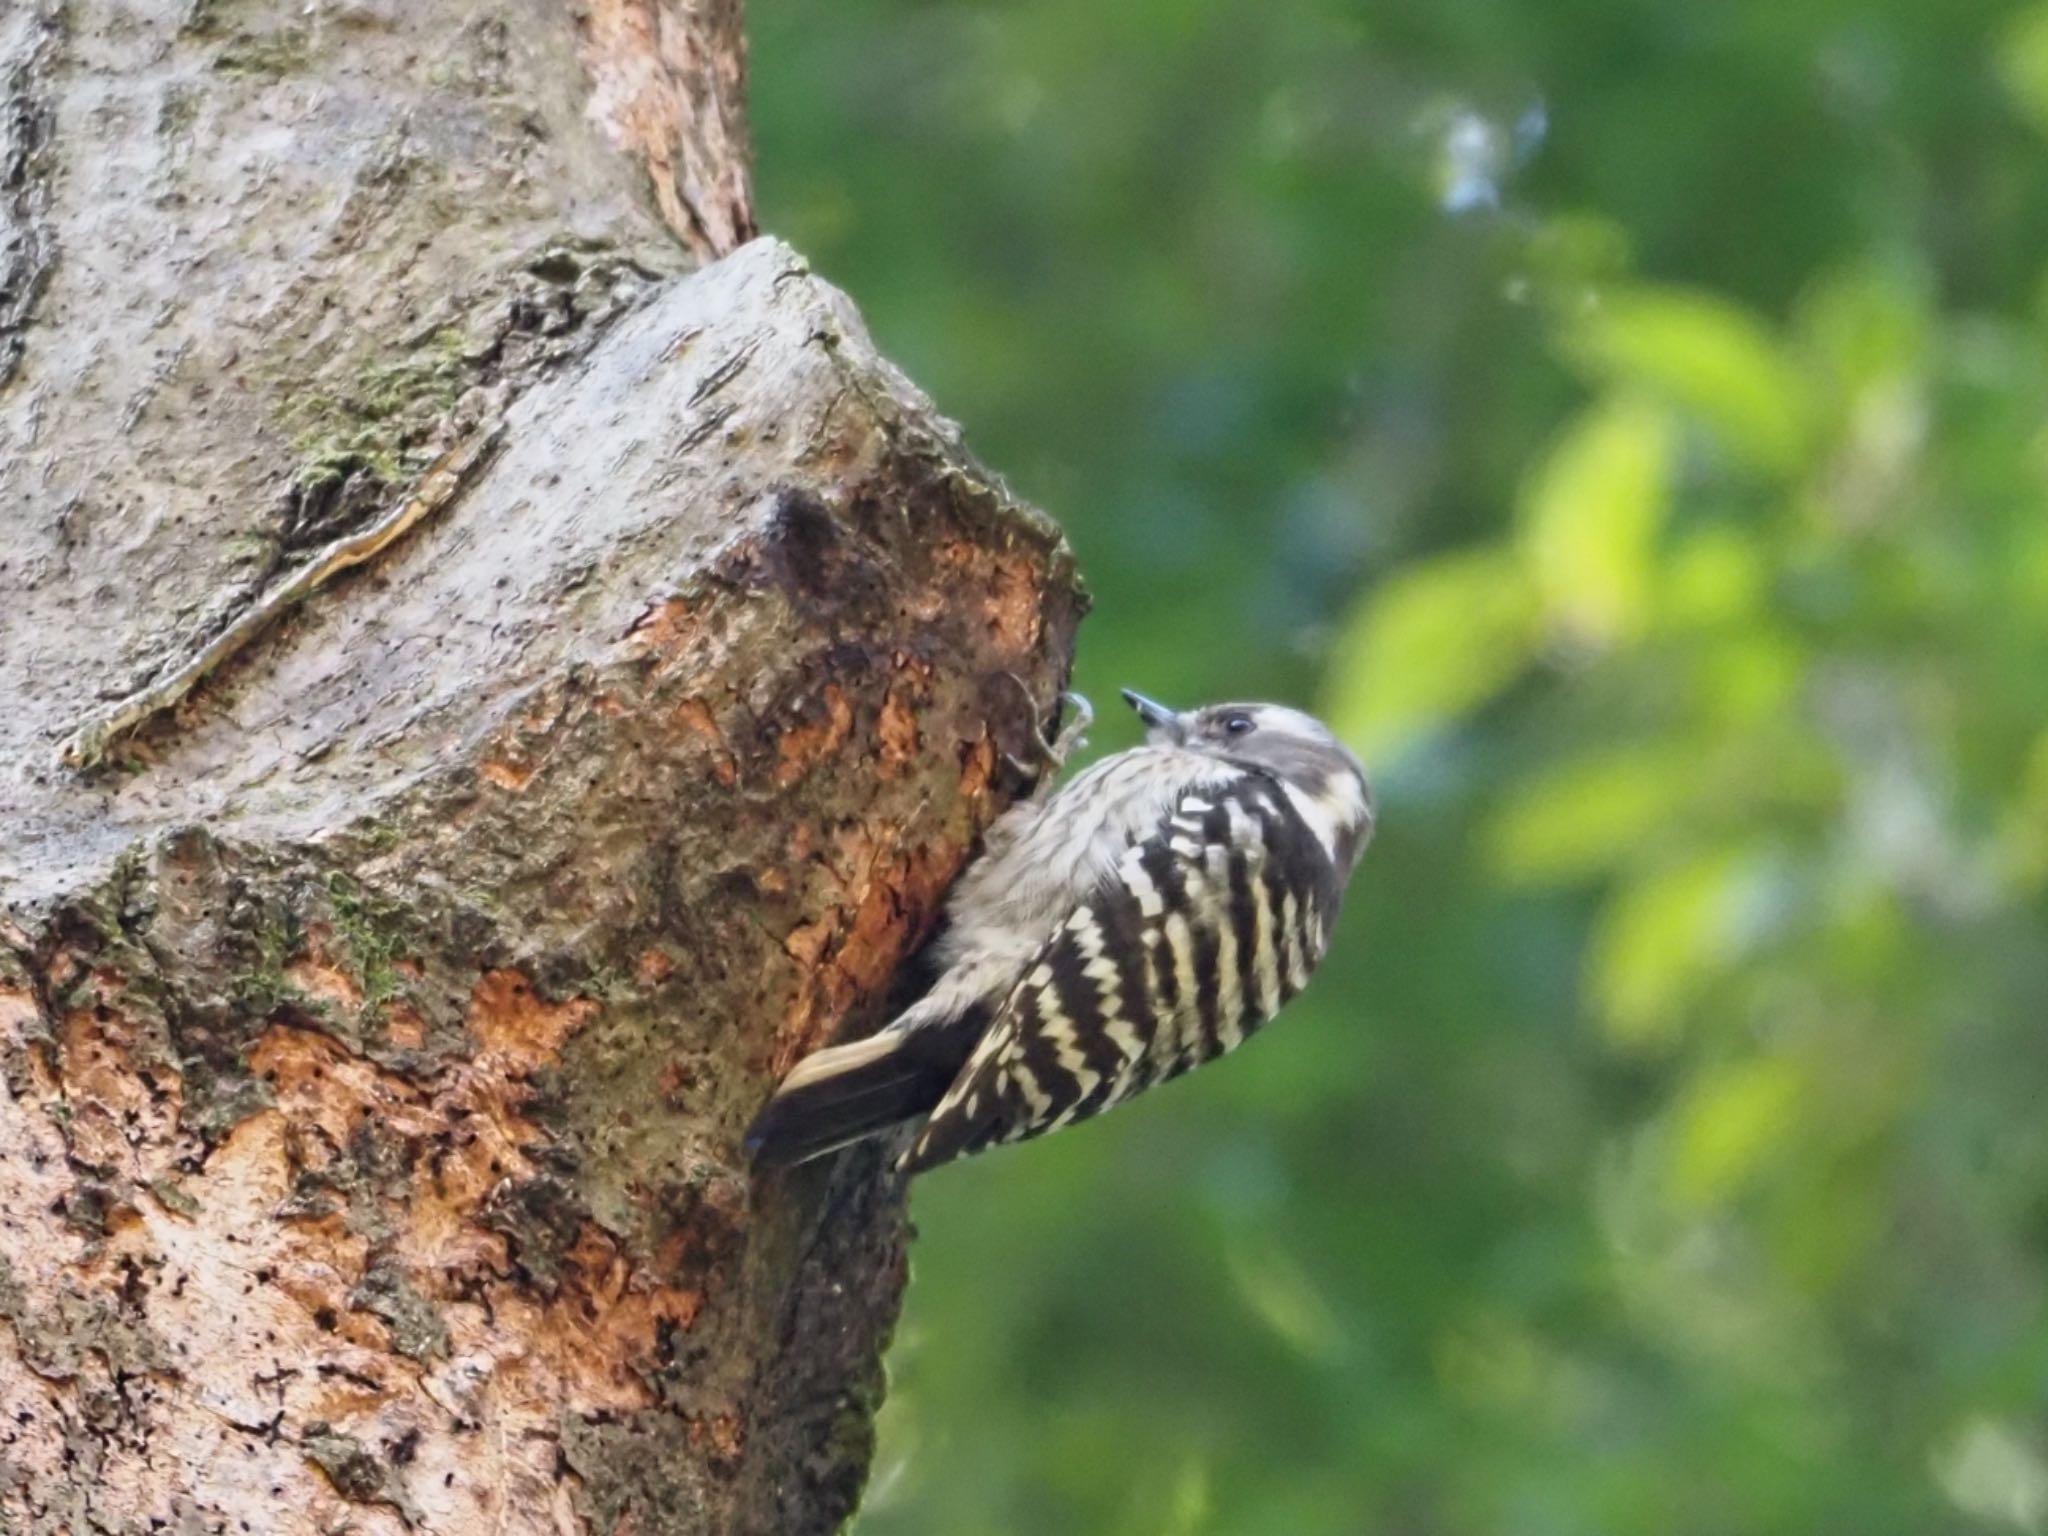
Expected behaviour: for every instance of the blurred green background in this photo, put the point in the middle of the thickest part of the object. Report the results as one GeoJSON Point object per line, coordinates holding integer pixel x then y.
{"type": "Point", "coordinates": [1628, 420]}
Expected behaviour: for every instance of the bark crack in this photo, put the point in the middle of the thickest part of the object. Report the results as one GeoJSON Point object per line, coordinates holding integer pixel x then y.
{"type": "Point", "coordinates": [89, 745]}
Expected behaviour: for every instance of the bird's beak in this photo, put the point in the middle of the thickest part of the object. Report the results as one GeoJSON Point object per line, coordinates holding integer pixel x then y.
{"type": "Point", "coordinates": [1159, 720]}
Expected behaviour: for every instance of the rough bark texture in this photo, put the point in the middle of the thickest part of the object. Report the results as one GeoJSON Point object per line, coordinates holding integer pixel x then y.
{"type": "Point", "coordinates": [380, 1007]}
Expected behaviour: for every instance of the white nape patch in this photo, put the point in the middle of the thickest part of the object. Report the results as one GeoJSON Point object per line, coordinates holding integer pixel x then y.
{"type": "Point", "coordinates": [1319, 818]}
{"type": "Point", "coordinates": [1333, 812]}
{"type": "Point", "coordinates": [1344, 792]}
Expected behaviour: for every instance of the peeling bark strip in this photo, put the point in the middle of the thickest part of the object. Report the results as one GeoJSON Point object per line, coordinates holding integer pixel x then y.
{"type": "Point", "coordinates": [378, 1024]}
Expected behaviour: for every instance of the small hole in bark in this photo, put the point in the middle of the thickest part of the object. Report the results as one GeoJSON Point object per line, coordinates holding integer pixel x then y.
{"type": "Point", "coordinates": [556, 267]}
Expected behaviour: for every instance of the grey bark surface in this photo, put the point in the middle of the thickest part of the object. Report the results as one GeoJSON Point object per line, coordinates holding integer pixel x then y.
{"type": "Point", "coordinates": [529, 670]}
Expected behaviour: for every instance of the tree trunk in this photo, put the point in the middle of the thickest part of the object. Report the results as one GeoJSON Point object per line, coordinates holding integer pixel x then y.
{"type": "Point", "coordinates": [494, 667]}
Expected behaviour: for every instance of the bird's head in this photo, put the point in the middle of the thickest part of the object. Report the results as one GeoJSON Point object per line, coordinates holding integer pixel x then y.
{"type": "Point", "coordinates": [1295, 748]}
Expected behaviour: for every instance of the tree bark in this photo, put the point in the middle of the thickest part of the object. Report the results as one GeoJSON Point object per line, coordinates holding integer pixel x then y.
{"type": "Point", "coordinates": [495, 666]}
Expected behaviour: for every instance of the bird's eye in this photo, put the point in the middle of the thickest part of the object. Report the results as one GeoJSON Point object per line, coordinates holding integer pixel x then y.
{"type": "Point", "coordinates": [1237, 725]}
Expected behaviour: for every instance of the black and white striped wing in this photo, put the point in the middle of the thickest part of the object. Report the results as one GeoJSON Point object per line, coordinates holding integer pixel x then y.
{"type": "Point", "coordinates": [1205, 929]}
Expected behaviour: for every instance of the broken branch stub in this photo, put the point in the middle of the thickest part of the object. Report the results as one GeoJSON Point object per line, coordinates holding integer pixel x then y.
{"type": "Point", "coordinates": [377, 1029]}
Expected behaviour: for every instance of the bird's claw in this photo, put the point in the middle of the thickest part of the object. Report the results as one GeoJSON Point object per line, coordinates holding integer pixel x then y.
{"type": "Point", "coordinates": [1053, 753]}
{"type": "Point", "coordinates": [1072, 735]}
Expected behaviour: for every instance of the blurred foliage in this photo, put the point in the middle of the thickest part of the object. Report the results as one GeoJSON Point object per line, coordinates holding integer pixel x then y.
{"type": "Point", "coordinates": [1628, 420]}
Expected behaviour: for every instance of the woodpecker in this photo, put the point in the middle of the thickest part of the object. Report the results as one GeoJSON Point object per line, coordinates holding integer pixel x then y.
{"type": "Point", "coordinates": [1144, 919]}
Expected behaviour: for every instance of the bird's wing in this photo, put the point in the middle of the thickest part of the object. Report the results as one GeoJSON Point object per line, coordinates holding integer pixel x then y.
{"type": "Point", "coordinates": [1204, 928]}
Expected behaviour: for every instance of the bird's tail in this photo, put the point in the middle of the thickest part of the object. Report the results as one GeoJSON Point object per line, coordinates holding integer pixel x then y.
{"type": "Point", "coordinates": [846, 1093]}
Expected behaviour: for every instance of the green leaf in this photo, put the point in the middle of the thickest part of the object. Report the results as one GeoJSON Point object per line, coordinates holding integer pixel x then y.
{"type": "Point", "coordinates": [1994, 1472]}
{"type": "Point", "coordinates": [1591, 517]}
{"type": "Point", "coordinates": [2023, 842]}
{"type": "Point", "coordinates": [1713, 578]}
{"type": "Point", "coordinates": [1435, 641]}
{"type": "Point", "coordinates": [1659, 939]}
{"type": "Point", "coordinates": [1281, 1295]}
{"type": "Point", "coordinates": [1591, 814]}
{"type": "Point", "coordinates": [1729, 1124]}
{"type": "Point", "coordinates": [1707, 357]}
{"type": "Point", "coordinates": [1866, 327]}
{"type": "Point", "coordinates": [2022, 63]}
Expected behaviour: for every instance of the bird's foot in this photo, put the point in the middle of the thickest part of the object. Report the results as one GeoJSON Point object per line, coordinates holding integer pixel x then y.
{"type": "Point", "coordinates": [1054, 752]}
{"type": "Point", "coordinates": [1073, 734]}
